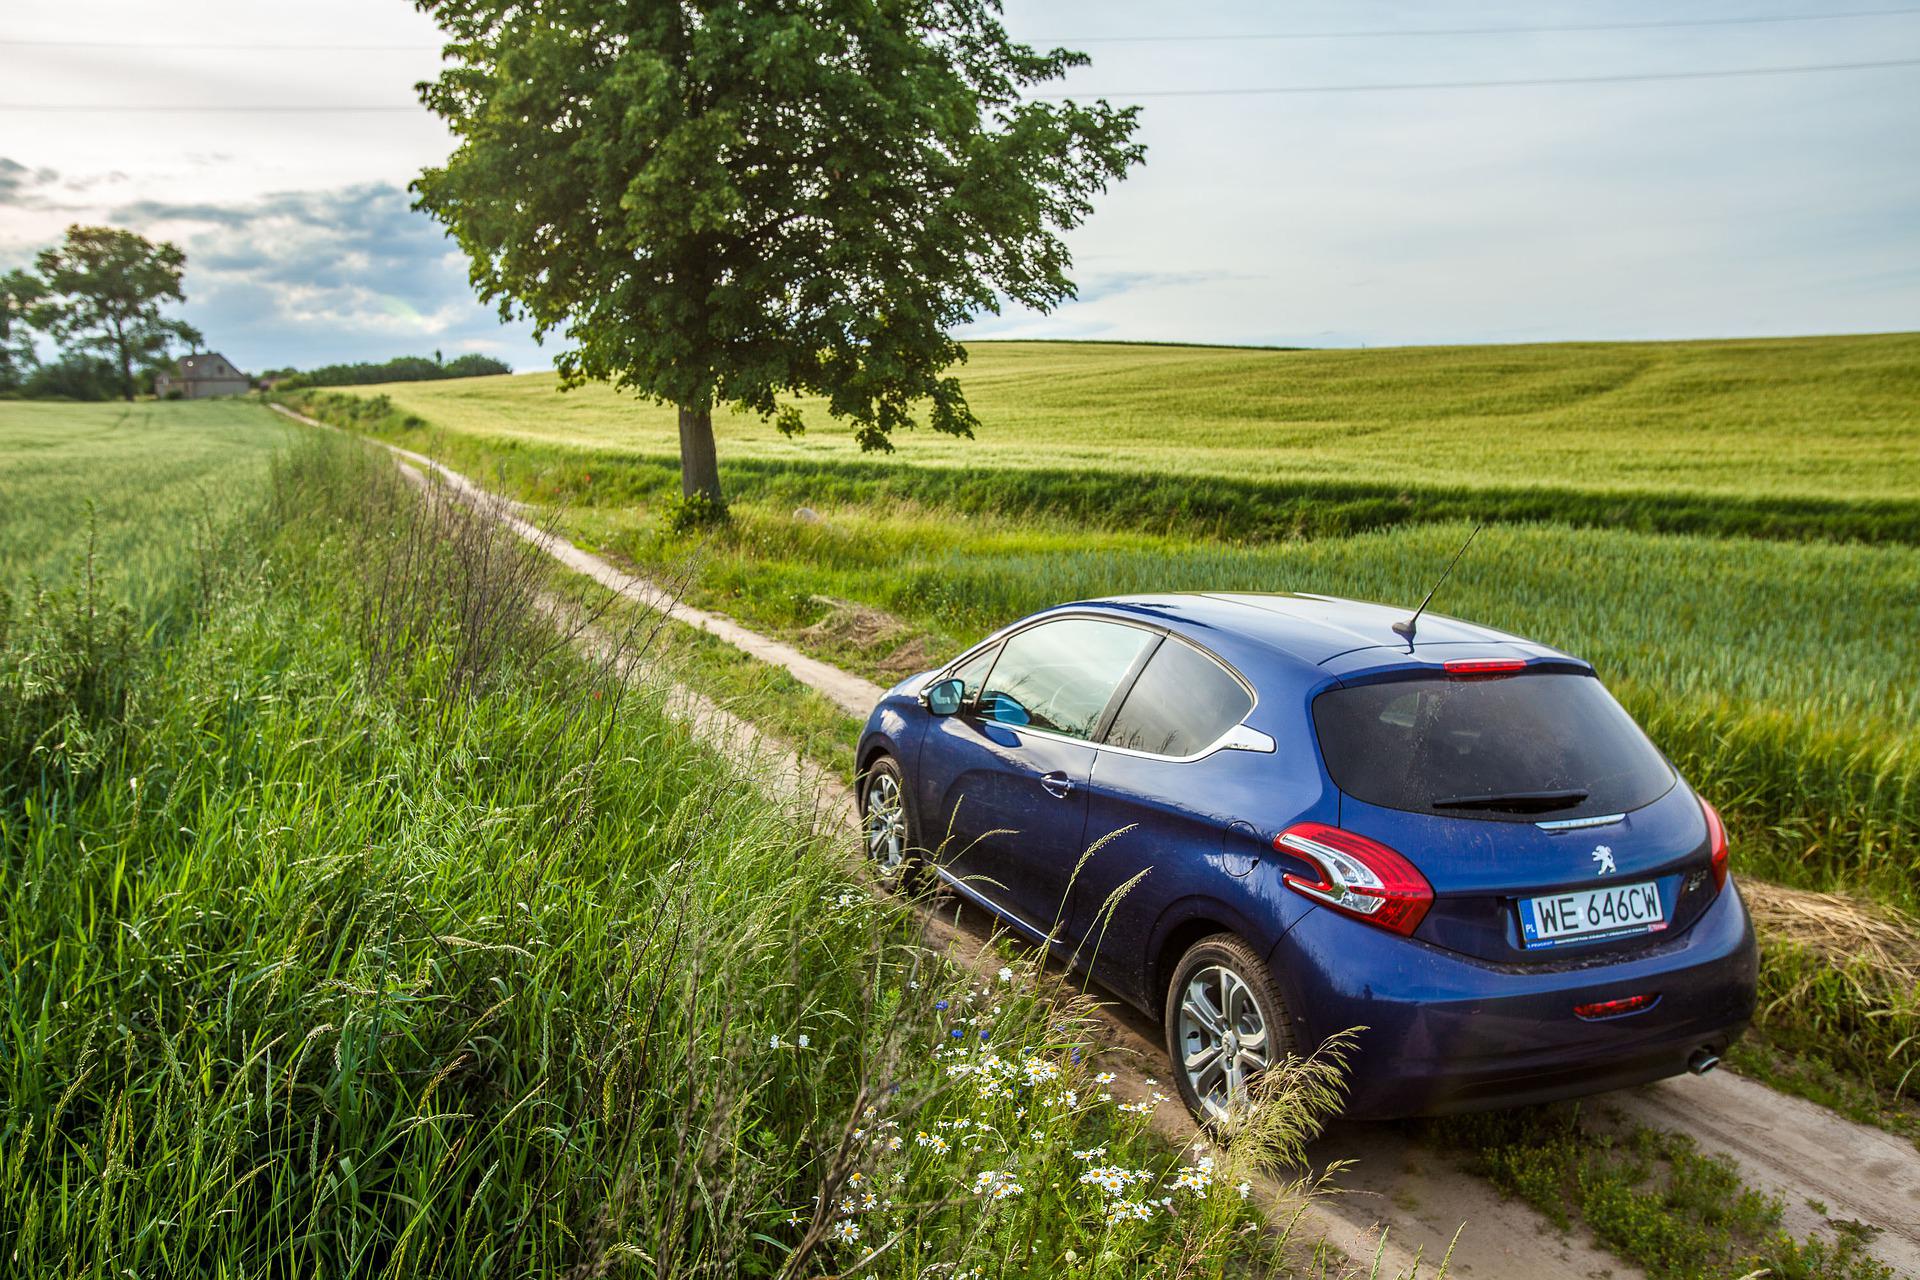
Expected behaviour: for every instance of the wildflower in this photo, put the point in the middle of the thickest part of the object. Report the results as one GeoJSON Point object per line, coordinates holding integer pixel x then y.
{"type": "Point", "coordinates": [1195, 1180]}
{"type": "Point", "coordinates": [1039, 1071]}
{"type": "Point", "coordinates": [803, 1042]}
{"type": "Point", "coordinates": [1136, 1108]}
{"type": "Point", "coordinates": [958, 1034]}
{"type": "Point", "coordinates": [1244, 1188]}
{"type": "Point", "coordinates": [1091, 1153]}
{"type": "Point", "coordinates": [933, 1141]}
{"type": "Point", "coordinates": [1127, 1210]}
{"type": "Point", "coordinates": [846, 1231]}
{"type": "Point", "coordinates": [773, 1042]}
{"type": "Point", "coordinates": [855, 1178]}
{"type": "Point", "coordinates": [893, 1142]}
{"type": "Point", "coordinates": [941, 1005]}
{"type": "Point", "coordinates": [983, 1037]}
{"type": "Point", "coordinates": [1006, 974]}
{"type": "Point", "coordinates": [998, 1183]}
{"type": "Point", "coordinates": [794, 1219]}
{"type": "Point", "coordinates": [1105, 1077]}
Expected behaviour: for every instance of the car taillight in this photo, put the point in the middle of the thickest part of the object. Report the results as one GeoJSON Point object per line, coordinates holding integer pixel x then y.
{"type": "Point", "coordinates": [1717, 836]}
{"type": "Point", "coordinates": [1359, 877]}
{"type": "Point", "coordinates": [1484, 666]}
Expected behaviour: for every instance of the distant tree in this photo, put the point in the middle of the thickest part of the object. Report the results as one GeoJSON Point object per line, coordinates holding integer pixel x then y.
{"type": "Point", "coordinates": [732, 201]}
{"type": "Point", "coordinates": [18, 292]}
{"type": "Point", "coordinates": [74, 376]}
{"type": "Point", "coordinates": [104, 290]}
{"type": "Point", "coordinates": [399, 369]}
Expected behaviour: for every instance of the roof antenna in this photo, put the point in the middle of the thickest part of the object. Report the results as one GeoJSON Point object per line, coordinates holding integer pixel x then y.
{"type": "Point", "coordinates": [1407, 628]}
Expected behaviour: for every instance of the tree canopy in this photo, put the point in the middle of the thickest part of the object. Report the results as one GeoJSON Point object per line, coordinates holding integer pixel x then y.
{"type": "Point", "coordinates": [104, 287]}
{"type": "Point", "coordinates": [18, 292]}
{"type": "Point", "coordinates": [733, 202]}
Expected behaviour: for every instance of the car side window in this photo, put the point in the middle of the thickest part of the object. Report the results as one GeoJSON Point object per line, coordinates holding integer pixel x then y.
{"type": "Point", "coordinates": [1180, 705]}
{"type": "Point", "coordinates": [973, 672]}
{"type": "Point", "coordinates": [1059, 676]}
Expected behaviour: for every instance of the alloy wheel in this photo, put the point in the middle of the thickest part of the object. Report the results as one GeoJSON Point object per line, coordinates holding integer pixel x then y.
{"type": "Point", "coordinates": [1223, 1039]}
{"type": "Point", "coordinates": [886, 824]}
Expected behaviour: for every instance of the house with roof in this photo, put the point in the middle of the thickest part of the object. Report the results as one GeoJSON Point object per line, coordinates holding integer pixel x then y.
{"type": "Point", "coordinates": [196, 377]}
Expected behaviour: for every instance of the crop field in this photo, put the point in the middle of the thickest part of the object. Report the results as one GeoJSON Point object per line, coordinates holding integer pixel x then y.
{"type": "Point", "coordinates": [354, 925]}
{"type": "Point", "coordinates": [157, 479]}
{"type": "Point", "coordinates": [1784, 437]}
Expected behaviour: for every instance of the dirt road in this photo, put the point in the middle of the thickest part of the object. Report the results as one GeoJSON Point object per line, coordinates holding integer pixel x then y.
{"type": "Point", "coordinates": [1402, 1202]}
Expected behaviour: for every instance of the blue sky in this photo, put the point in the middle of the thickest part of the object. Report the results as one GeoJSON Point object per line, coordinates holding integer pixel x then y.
{"type": "Point", "coordinates": [1644, 209]}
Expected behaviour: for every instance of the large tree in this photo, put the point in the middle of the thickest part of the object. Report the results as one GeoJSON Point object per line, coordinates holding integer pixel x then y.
{"type": "Point", "coordinates": [104, 290]}
{"type": "Point", "coordinates": [18, 292]}
{"type": "Point", "coordinates": [730, 202]}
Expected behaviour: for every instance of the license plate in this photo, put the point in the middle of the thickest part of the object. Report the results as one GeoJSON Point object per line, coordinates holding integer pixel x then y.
{"type": "Point", "coordinates": [1590, 915]}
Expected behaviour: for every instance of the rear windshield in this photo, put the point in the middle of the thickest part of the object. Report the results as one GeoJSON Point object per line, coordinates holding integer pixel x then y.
{"type": "Point", "coordinates": [1523, 748]}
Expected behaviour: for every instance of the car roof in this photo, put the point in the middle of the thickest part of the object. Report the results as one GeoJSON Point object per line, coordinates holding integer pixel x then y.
{"type": "Point", "coordinates": [1313, 630]}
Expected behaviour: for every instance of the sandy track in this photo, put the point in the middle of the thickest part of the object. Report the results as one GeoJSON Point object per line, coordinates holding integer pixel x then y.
{"type": "Point", "coordinates": [1402, 1201]}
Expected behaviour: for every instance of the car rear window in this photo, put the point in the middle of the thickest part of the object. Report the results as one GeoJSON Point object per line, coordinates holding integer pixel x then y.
{"type": "Point", "coordinates": [1522, 748]}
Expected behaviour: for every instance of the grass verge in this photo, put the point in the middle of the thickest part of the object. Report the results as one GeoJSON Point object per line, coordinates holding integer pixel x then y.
{"type": "Point", "coordinates": [369, 930]}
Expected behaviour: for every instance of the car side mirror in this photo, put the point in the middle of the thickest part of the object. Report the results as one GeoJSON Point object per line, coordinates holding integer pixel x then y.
{"type": "Point", "coordinates": [944, 697]}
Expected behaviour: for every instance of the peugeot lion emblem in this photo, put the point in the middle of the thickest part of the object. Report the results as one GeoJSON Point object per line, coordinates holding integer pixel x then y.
{"type": "Point", "coordinates": [1604, 856]}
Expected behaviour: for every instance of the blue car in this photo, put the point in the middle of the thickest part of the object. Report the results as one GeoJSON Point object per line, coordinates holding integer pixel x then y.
{"type": "Point", "coordinates": [1267, 819]}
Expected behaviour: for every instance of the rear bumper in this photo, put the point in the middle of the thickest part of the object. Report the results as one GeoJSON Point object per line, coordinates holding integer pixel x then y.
{"type": "Point", "coordinates": [1444, 1032]}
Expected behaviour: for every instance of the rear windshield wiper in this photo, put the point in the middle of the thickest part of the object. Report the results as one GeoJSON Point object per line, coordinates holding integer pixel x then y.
{"type": "Point", "coordinates": [1514, 801]}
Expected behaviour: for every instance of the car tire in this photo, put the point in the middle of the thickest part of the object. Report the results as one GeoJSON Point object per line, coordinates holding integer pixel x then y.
{"type": "Point", "coordinates": [887, 827]}
{"type": "Point", "coordinates": [1223, 998]}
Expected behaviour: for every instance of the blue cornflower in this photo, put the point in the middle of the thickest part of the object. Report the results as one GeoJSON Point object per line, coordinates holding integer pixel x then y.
{"type": "Point", "coordinates": [941, 1005]}
{"type": "Point", "coordinates": [958, 1033]}
{"type": "Point", "coordinates": [983, 1036]}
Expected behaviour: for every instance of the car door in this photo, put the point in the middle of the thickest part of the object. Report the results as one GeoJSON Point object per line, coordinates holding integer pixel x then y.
{"type": "Point", "coordinates": [1161, 799]}
{"type": "Point", "coordinates": [1004, 782]}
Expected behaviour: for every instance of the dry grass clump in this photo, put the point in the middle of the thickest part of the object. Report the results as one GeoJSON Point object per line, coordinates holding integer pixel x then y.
{"type": "Point", "coordinates": [1847, 930]}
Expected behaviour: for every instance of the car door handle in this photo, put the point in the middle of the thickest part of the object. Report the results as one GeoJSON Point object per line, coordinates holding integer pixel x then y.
{"type": "Point", "coordinates": [1056, 783]}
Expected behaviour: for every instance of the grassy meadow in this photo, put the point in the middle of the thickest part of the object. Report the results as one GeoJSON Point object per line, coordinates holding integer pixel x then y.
{"type": "Point", "coordinates": [159, 478]}
{"type": "Point", "coordinates": [1782, 437]}
{"type": "Point", "coordinates": [354, 924]}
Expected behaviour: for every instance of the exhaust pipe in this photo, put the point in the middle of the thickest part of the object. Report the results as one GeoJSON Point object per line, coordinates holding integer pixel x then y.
{"type": "Point", "coordinates": [1702, 1061]}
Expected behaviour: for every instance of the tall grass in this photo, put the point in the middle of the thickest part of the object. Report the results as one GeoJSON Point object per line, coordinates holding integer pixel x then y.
{"type": "Point", "coordinates": [393, 940]}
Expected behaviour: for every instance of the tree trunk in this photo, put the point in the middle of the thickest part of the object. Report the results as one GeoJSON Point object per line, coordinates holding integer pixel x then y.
{"type": "Point", "coordinates": [126, 365]}
{"type": "Point", "coordinates": [699, 464]}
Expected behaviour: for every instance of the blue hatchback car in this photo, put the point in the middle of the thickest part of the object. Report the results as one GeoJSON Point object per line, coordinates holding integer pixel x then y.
{"type": "Point", "coordinates": [1266, 819]}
